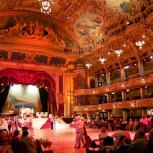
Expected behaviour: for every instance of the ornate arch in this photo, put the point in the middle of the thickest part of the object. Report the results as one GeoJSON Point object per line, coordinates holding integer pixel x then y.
{"type": "Point", "coordinates": [39, 78]}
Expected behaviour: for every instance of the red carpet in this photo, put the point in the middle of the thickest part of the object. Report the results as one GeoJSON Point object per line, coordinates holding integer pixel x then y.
{"type": "Point", "coordinates": [46, 125]}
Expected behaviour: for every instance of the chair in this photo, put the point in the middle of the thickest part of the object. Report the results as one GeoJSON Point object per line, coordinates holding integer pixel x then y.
{"type": "Point", "coordinates": [39, 148]}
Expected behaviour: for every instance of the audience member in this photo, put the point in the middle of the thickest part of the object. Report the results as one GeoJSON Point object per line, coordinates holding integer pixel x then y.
{"type": "Point", "coordinates": [129, 125]}
{"type": "Point", "coordinates": [149, 146]}
{"type": "Point", "coordinates": [126, 144]}
{"type": "Point", "coordinates": [117, 134]}
{"type": "Point", "coordinates": [110, 123]}
{"type": "Point", "coordinates": [135, 125]}
{"type": "Point", "coordinates": [27, 140]}
{"type": "Point", "coordinates": [15, 140]}
{"type": "Point", "coordinates": [140, 141]}
{"type": "Point", "coordinates": [103, 134]}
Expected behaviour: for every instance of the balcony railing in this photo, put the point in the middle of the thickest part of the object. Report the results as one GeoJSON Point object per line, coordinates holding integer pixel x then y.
{"type": "Point", "coordinates": [119, 86]}
{"type": "Point", "coordinates": [132, 104]}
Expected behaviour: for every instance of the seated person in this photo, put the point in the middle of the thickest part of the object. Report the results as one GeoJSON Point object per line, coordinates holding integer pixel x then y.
{"type": "Point", "coordinates": [118, 134]}
{"type": "Point", "coordinates": [140, 141]}
{"type": "Point", "coordinates": [103, 134]}
{"type": "Point", "coordinates": [15, 140]}
{"type": "Point", "coordinates": [126, 144]}
{"type": "Point", "coordinates": [28, 141]}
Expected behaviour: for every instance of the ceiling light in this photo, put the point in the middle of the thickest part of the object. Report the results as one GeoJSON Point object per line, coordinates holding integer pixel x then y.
{"type": "Point", "coordinates": [46, 5]}
{"type": "Point", "coordinates": [88, 65]}
{"type": "Point", "coordinates": [118, 52]}
{"type": "Point", "coordinates": [102, 60]}
{"type": "Point", "coordinates": [126, 67]}
{"type": "Point", "coordinates": [140, 43]}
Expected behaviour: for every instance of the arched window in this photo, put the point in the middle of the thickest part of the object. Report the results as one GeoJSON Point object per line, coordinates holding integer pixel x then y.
{"type": "Point", "coordinates": [61, 84]}
{"type": "Point", "coordinates": [92, 83]}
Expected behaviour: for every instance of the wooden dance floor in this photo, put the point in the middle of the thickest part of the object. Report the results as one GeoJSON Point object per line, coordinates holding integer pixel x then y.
{"type": "Point", "coordinates": [63, 137]}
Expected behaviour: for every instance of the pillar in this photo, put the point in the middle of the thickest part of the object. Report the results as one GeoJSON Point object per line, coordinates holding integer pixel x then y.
{"type": "Point", "coordinates": [123, 76]}
{"type": "Point", "coordinates": [141, 68]}
{"type": "Point", "coordinates": [108, 97]}
{"type": "Point", "coordinates": [88, 116]}
{"type": "Point", "coordinates": [108, 79]}
{"type": "Point", "coordinates": [125, 115]}
{"type": "Point", "coordinates": [142, 92]}
{"type": "Point", "coordinates": [144, 111]}
{"type": "Point", "coordinates": [70, 98]}
{"type": "Point", "coordinates": [123, 95]}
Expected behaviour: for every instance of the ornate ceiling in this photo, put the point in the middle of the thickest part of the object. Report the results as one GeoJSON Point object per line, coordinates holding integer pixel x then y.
{"type": "Point", "coordinates": [76, 31]}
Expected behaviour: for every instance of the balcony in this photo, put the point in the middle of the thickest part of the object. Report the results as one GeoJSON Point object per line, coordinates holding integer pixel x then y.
{"type": "Point", "coordinates": [119, 86]}
{"type": "Point", "coordinates": [132, 104]}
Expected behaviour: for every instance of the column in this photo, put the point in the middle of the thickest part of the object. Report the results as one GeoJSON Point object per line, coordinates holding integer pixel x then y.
{"type": "Point", "coordinates": [142, 92]}
{"type": "Point", "coordinates": [123, 76]}
{"type": "Point", "coordinates": [123, 95]}
{"type": "Point", "coordinates": [108, 80]}
{"type": "Point", "coordinates": [108, 97]}
{"type": "Point", "coordinates": [144, 111]}
{"type": "Point", "coordinates": [125, 115]}
{"type": "Point", "coordinates": [70, 97]}
{"type": "Point", "coordinates": [88, 116]}
{"type": "Point", "coordinates": [141, 68]}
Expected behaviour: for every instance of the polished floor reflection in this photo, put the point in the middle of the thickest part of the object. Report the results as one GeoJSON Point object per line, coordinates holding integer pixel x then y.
{"type": "Point", "coordinates": [63, 138]}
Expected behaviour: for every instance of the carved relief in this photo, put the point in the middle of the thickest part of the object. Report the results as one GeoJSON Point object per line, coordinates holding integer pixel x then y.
{"type": "Point", "coordinates": [30, 28]}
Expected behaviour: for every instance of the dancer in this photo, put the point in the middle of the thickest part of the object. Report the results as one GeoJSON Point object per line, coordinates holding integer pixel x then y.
{"type": "Point", "coordinates": [30, 127]}
{"type": "Point", "coordinates": [9, 124]}
{"type": "Point", "coordinates": [16, 121]}
{"type": "Point", "coordinates": [81, 132]}
{"type": "Point", "coordinates": [24, 124]}
{"type": "Point", "coordinates": [54, 122]}
{"type": "Point", "coordinates": [51, 121]}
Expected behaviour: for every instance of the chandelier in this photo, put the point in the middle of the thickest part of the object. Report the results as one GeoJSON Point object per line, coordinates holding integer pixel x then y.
{"type": "Point", "coordinates": [88, 65]}
{"type": "Point", "coordinates": [140, 43]}
{"type": "Point", "coordinates": [102, 60]}
{"type": "Point", "coordinates": [118, 52]}
{"type": "Point", "coordinates": [46, 5]}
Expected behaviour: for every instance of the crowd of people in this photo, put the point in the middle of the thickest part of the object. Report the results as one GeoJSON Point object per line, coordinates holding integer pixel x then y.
{"type": "Point", "coordinates": [14, 124]}
{"type": "Point", "coordinates": [117, 141]}
{"type": "Point", "coordinates": [120, 140]}
{"type": "Point", "coordinates": [127, 125]}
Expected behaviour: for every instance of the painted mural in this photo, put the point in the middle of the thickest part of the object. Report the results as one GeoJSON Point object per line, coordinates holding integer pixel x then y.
{"type": "Point", "coordinates": [22, 96]}
{"type": "Point", "coordinates": [88, 26]}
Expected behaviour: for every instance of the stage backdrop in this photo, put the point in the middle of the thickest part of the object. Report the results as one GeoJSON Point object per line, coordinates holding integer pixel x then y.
{"type": "Point", "coordinates": [26, 96]}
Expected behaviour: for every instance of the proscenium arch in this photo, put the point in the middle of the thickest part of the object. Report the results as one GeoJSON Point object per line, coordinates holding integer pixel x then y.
{"type": "Point", "coordinates": [39, 78]}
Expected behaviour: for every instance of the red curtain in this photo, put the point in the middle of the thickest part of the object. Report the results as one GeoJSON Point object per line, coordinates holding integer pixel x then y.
{"type": "Point", "coordinates": [39, 78]}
